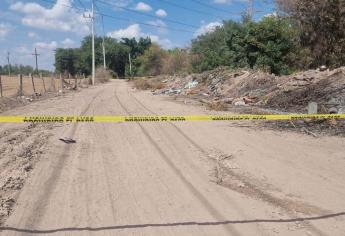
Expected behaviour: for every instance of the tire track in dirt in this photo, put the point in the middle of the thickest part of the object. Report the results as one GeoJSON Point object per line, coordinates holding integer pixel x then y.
{"type": "Point", "coordinates": [106, 150]}
{"type": "Point", "coordinates": [203, 200]}
{"type": "Point", "coordinates": [42, 201]}
{"type": "Point", "coordinates": [251, 190]}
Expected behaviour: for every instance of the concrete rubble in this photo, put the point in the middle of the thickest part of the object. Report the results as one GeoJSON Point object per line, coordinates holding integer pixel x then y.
{"type": "Point", "coordinates": [292, 93]}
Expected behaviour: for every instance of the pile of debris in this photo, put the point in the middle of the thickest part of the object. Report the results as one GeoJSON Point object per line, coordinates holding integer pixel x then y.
{"type": "Point", "coordinates": [253, 92]}
{"type": "Point", "coordinates": [257, 89]}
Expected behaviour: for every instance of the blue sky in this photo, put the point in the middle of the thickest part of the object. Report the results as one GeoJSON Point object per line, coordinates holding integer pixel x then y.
{"type": "Point", "coordinates": [48, 24]}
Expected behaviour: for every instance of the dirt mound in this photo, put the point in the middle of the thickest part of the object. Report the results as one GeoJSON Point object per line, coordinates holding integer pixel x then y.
{"type": "Point", "coordinates": [253, 92]}
{"type": "Point", "coordinates": [251, 88]}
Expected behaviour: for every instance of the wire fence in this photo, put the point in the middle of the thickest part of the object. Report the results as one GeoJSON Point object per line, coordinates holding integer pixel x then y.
{"type": "Point", "coordinates": [27, 85]}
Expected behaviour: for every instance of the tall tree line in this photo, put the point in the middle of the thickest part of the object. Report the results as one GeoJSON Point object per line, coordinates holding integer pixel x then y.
{"type": "Point", "coordinates": [302, 34]}
{"type": "Point", "coordinates": [20, 69]}
{"type": "Point", "coordinates": [79, 60]}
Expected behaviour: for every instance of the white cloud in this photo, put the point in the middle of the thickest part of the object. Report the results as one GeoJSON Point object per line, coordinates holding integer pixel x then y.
{"type": "Point", "coordinates": [59, 17]}
{"type": "Point", "coordinates": [162, 27]}
{"type": "Point", "coordinates": [273, 14]}
{"type": "Point", "coordinates": [222, 1]}
{"type": "Point", "coordinates": [120, 3]}
{"type": "Point", "coordinates": [45, 49]}
{"type": "Point", "coordinates": [161, 13]}
{"type": "Point", "coordinates": [23, 51]}
{"type": "Point", "coordinates": [68, 43]}
{"type": "Point", "coordinates": [165, 43]}
{"type": "Point", "coordinates": [46, 46]}
{"type": "Point", "coordinates": [134, 31]}
{"type": "Point", "coordinates": [32, 35]}
{"type": "Point", "coordinates": [207, 28]}
{"type": "Point", "coordinates": [141, 6]}
{"type": "Point", "coordinates": [4, 30]}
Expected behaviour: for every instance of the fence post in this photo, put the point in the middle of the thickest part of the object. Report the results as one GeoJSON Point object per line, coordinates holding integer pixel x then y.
{"type": "Point", "coordinates": [75, 82]}
{"type": "Point", "coordinates": [61, 81]}
{"type": "Point", "coordinates": [52, 83]}
{"type": "Point", "coordinates": [44, 85]}
{"type": "Point", "coordinates": [33, 83]}
{"type": "Point", "coordinates": [20, 85]}
{"type": "Point", "coordinates": [0, 87]}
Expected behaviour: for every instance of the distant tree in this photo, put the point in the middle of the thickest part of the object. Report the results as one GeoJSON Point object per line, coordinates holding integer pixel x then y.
{"type": "Point", "coordinates": [79, 60]}
{"type": "Point", "coordinates": [151, 62]}
{"type": "Point", "coordinates": [210, 50]}
{"type": "Point", "coordinates": [322, 25]}
{"type": "Point", "coordinates": [137, 48]}
{"type": "Point", "coordinates": [66, 60]}
{"type": "Point", "coordinates": [20, 69]}
{"type": "Point", "coordinates": [176, 61]}
{"type": "Point", "coordinates": [268, 44]}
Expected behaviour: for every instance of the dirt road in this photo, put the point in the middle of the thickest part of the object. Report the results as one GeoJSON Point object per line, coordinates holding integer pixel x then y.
{"type": "Point", "coordinates": [197, 178]}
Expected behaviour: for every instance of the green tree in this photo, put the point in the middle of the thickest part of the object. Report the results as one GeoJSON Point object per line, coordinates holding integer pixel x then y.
{"type": "Point", "coordinates": [79, 60]}
{"type": "Point", "coordinates": [151, 62]}
{"type": "Point", "coordinates": [137, 48]}
{"type": "Point", "coordinates": [322, 29]}
{"type": "Point", "coordinates": [268, 44]}
{"type": "Point", "coordinates": [176, 61]}
{"type": "Point", "coordinates": [66, 60]}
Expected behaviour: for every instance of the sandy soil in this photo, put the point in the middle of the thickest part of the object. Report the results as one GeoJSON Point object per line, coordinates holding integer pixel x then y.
{"type": "Point", "coordinates": [10, 85]}
{"type": "Point", "coordinates": [193, 178]}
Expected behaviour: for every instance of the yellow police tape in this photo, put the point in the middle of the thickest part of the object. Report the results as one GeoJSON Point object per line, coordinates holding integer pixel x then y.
{"type": "Point", "coordinates": [100, 119]}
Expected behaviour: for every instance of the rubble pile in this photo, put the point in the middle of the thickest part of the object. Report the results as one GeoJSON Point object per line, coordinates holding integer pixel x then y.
{"type": "Point", "coordinates": [243, 88]}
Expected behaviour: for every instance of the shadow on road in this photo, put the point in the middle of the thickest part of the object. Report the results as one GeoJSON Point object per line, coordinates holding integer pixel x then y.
{"type": "Point", "coordinates": [191, 223]}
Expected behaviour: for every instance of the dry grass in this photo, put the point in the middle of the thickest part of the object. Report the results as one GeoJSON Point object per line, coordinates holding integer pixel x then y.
{"type": "Point", "coordinates": [148, 84]}
{"type": "Point", "coordinates": [218, 106]}
{"type": "Point", "coordinates": [10, 85]}
{"type": "Point", "coordinates": [103, 75]}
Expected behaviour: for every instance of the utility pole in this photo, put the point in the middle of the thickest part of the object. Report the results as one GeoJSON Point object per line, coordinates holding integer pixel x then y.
{"type": "Point", "coordinates": [92, 17]}
{"type": "Point", "coordinates": [36, 55]}
{"type": "Point", "coordinates": [103, 45]}
{"type": "Point", "coordinates": [130, 64]}
{"type": "Point", "coordinates": [93, 42]}
{"type": "Point", "coordinates": [8, 64]}
{"type": "Point", "coordinates": [250, 9]}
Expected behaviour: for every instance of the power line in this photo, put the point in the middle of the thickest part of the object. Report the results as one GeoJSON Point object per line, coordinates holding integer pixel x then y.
{"type": "Point", "coordinates": [148, 15]}
{"type": "Point", "coordinates": [188, 9]}
{"type": "Point", "coordinates": [65, 5]}
{"type": "Point", "coordinates": [214, 8]}
{"type": "Point", "coordinates": [123, 19]}
{"type": "Point", "coordinates": [82, 4]}
{"type": "Point", "coordinates": [146, 24]}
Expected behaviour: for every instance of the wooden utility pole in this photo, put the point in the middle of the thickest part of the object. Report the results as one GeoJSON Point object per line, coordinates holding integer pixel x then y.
{"type": "Point", "coordinates": [103, 45]}
{"type": "Point", "coordinates": [250, 9]}
{"type": "Point", "coordinates": [36, 55]}
{"type": "Point", "coordinates": [92, 17]}
{"type": "Point", "coordinates": [8, 64]}
{"type": "Point", "coordinates": [93, 43]}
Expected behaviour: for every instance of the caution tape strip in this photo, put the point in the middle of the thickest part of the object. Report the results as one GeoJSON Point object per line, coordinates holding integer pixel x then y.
{"type": "Point", "coordinates": [100, 119]}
